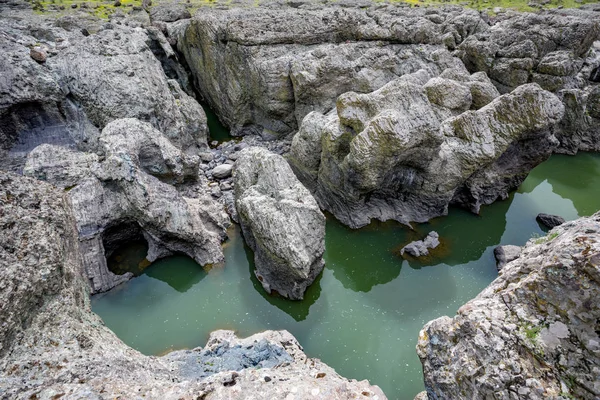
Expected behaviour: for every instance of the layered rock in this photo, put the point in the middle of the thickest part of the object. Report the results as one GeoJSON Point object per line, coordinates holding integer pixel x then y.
{"type": "Point", "coordinates": [54, 346]}
{"type": "Point", "coordinates": [281, 222]}
{"type": "Point", "coordinates": [94, 73]}
{"type": "Point", "coordinates": [532, 333]}
{"type": "Point", "coordinates": [127, 189]}
{"type": "Point", "coordinates": [264, 69]}
{"type": "Point", "coordinates": [411, 148]}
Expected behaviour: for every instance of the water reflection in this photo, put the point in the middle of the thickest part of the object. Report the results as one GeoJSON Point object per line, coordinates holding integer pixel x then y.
{"type": "Point", "coordinates": [180, 272]}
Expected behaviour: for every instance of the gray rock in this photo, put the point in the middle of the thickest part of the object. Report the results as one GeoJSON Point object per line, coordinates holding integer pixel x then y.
{"type": "Point", "coordinates": [540, 311]}
{"type": "Point", "coordinates": [506, 254]}
{"type": "Point", "coordinates": [47, 322]}
{"type": "Point", "coordinates": [222, 171]}
{"type": "Point", "coordinates": [394, 154]}
{"type": "Point", "coordinates": [281, 222]}
{"type": "Point", "coordinates": [169, 12]}
{"type": "Point", "coordinates": [130, 184]}
{"type": "Point", "coordinates": [294, 61]}
{"type": "Point", "coordinates": [549, 221]}
{"type": "Point", "coordinates": [421, 248]}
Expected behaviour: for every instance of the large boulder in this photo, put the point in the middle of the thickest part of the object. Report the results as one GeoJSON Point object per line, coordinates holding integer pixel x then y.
{"type": "Point", "coordinates": [505, 254]}
{"type": "Point", "coordinates": [263, 69]}
{"type": "Point", "coordinates": [281, 222]}
{"type": "Point", "coordinates": [128, 190]}
{"type": "Point", "coordinates": [549, 221]}
{"type": "Point", "coordinates": [532, 333]}
{"type": "Point", "coordinates": [54, 346]}
{"type": "Point", "coordinates": [398, 153]}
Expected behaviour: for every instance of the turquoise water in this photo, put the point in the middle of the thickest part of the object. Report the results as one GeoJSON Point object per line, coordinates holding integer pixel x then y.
{"type": "Point", "coordinates": [363, 315]}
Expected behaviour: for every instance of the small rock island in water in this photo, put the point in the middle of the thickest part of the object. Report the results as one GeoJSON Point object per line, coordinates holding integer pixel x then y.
{"type": "Point", "coordinates": [114, 121]}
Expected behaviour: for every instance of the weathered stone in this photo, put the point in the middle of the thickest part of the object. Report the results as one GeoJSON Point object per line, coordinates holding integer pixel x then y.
{"type": "Point", "coordinates": [39, 54]}
{"type": "Point", "coordinates": [281, 222]}
{"type": "Point", "coordinates": [129, 185]}
{"type": "Point", "coordinates": [532, 331]}
{"type": "Point", "coordinates": [222, 171]}
{"type": "Point", "coordinates": [169, 12]}
{"type": "Point", "coordinates": [505, 254]}
{"type": "Point", "coordinates": [392, 154]}
{"type": "Point", "coordinates": [549, 221]}
{"type": "Point", "coordinates": [264, 69]}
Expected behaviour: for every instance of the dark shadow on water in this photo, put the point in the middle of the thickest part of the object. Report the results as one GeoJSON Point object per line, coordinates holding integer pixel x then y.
{"type": "Point", "coordinates": [217, 131]}
{"type": "Point", "coordinates": [298, 310]}
{"type": "Point", "coordinates": [131, 257]}
{"type": "Point", "coordinates": [363, 258]}
{"type": "Point", "coordinates": [180, 272]}
{"type": "Point", "coordinates": [464, 236]}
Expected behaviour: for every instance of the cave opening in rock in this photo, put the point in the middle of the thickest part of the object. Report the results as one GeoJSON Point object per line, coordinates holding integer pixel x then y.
{"type": "Point", "coordinates": [125, 248]}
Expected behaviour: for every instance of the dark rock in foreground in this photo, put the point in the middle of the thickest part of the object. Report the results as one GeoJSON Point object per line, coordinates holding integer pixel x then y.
{"type": "Point", "coordinates": [549, 221]}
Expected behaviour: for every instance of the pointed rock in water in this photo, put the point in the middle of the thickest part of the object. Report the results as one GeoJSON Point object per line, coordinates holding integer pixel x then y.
{"type": "Point", "coordinates": [532, 331]}
{"type": "Point", "coordinates": [281, 222]}
{"type": "Point", "coordinates": [549, 221]}
{"type": "Point", "coordinates": [506, 254]}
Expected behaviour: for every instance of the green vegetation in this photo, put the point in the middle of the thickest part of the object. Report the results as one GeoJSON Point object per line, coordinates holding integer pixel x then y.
{"type": "Point", "coordinates": [545, 239]}
{"type": "Point", "coordinates": [103, 9]}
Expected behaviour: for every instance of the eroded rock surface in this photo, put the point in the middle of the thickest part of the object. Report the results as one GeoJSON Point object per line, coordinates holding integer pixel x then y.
{"type": "Point", "coordinates": [129, 184]}
{"type": "Point", "coordinates": [532, 333]}
{"type": "Point", "coordinates": [420, 248]}
{"type": "Point", "coordinates": [281, 222]}
{"type": "Point", "coordinates": [53, 345]}
{"type": "Point", "coordinates": [411, 148]}
{"type": "Point", "coordinates": [263, 69]}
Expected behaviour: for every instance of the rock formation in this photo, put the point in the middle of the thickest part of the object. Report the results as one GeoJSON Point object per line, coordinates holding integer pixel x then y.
{"type": "Point", "coordinates": [264, 69]}
{"type": "Point", "coordinates": [281, 222]}
{"type": "Point", "coordinates": [411, 148]}
{"type": "Point", "coordinates": [126, 192]}
{"type": "Point", "coordinates": [54, 346]}
{"type": "Point", "coordinates": [532, 333]}
{"type": "Point", "coordinates": [86, 81]}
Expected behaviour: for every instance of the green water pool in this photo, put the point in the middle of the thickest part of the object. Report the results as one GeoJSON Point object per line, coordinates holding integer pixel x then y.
{"type": "Point", "coordinates": [363, 315]}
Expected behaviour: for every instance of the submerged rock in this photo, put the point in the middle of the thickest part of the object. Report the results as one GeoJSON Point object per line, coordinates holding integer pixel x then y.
{"type": "Point", "coordinates": [549, 221]}
{"type": "Point", "coordinates": [281, 222]}
{"type": "Point", "coordinates": [505, 254]}
{"type": "Point", "coordinates": [420, 248]}
{"type": "Point", "coordinates": [533, 331]}
{"type": "Point", "coordinates": [397, 154]}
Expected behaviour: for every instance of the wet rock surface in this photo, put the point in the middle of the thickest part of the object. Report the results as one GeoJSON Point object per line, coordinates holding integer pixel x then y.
{"type": "Point", "coordinates": [533, 331]}
{"type": "Point", "coordinates": [54, 346]}
{"type": "Point", "coordinates": [281, 222]}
